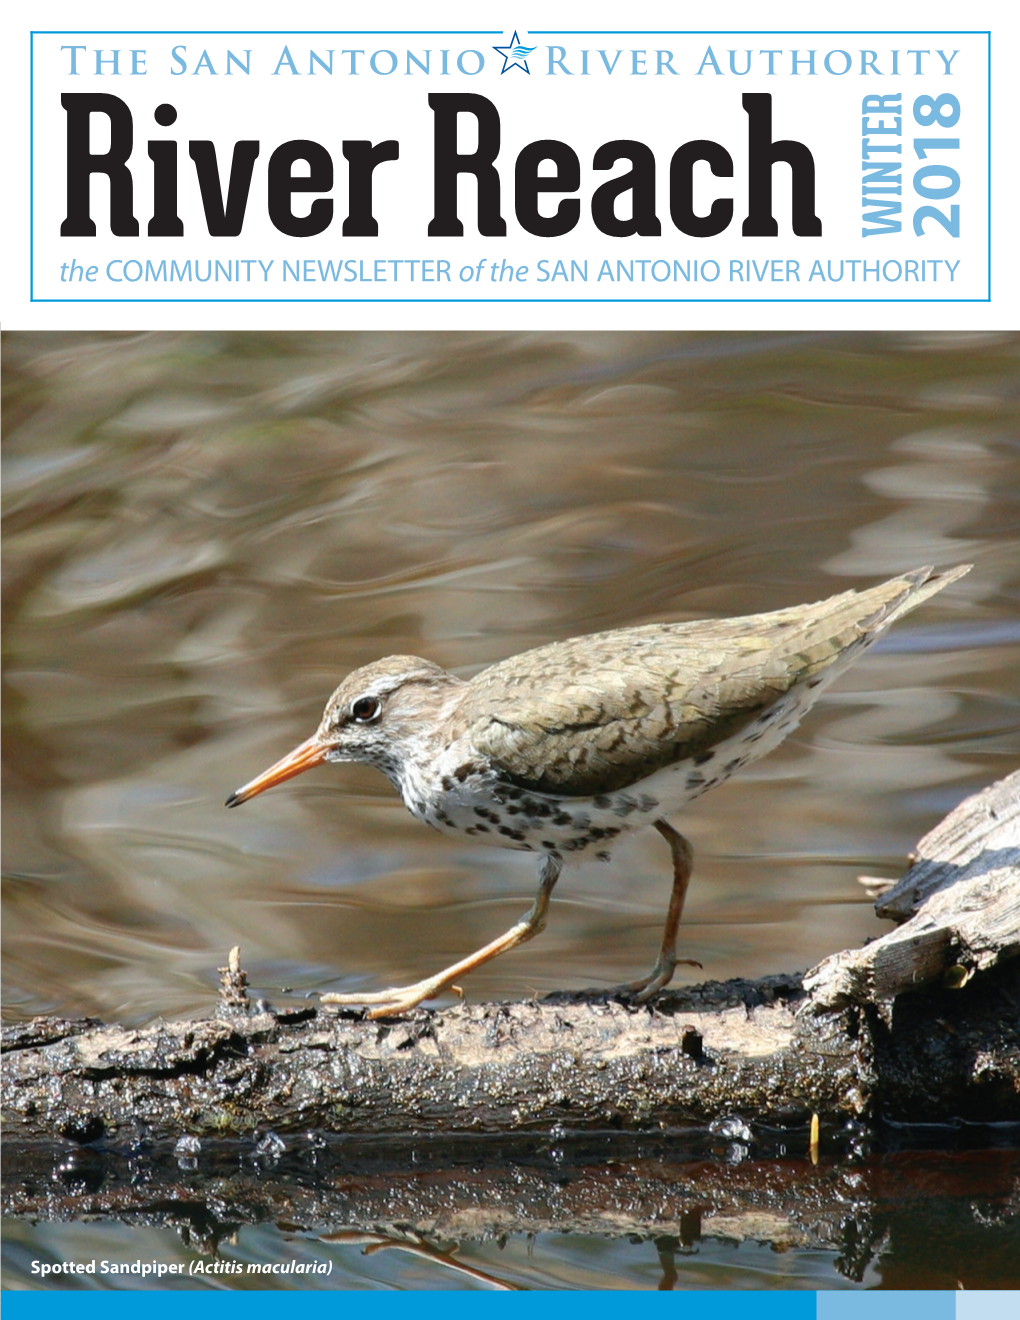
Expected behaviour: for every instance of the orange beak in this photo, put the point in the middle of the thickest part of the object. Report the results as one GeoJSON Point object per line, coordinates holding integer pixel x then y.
{"type": "Point", "coordinates": [309, 753]}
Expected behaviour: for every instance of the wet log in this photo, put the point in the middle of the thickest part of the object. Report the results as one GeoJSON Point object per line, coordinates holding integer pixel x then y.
{"type": "Point", "coordinates": [922, 1025]}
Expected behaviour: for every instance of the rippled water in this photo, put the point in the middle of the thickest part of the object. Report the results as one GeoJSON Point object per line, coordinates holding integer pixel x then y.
{"type": "Point", "coordinates": [204, 532]}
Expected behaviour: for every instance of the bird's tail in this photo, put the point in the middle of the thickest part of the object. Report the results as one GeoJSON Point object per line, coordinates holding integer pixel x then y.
{"type": "Point", "coordinates": [900, 595]}
{"type": "Point", "coordinates": [828, 635]}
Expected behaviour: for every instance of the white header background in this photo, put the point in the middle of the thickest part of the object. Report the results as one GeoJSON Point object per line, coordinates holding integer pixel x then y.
{"type": "Point", "coordinates": [810, 109]}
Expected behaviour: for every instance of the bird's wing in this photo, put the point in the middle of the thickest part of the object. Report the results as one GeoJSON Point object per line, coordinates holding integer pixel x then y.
{"type": "Point", "coordinates": [595, 723]}
{"type": "Point", "coordinates": [598, 714]}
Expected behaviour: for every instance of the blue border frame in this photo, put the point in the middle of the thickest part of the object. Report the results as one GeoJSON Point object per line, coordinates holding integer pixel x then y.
{"type": "Point", "coordinates": [488, 32]}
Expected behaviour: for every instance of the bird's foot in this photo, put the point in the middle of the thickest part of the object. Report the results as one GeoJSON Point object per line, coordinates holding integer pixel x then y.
{"type": "Point", "coordinates": [396, 1000]}
{"type": "Point", "coordinates": [639, 992]}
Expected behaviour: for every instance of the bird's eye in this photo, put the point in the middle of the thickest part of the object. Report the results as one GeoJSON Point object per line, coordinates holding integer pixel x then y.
{"type": "Point", "coordinates": [365, 709]}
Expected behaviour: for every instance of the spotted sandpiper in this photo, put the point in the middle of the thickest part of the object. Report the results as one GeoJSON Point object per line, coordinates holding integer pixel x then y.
{"type": "Point", "coordinates": [564, 749]}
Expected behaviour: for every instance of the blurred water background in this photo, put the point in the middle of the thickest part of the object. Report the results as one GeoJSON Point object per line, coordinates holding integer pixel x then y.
{"type": "Point", "coordinates": [204, 532]}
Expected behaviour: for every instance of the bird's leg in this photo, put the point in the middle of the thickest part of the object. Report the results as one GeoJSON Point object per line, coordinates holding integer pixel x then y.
{"type": "Point", "coordinates": [662, 973]}
{"type": "Point", "coordinates": [399, 999]}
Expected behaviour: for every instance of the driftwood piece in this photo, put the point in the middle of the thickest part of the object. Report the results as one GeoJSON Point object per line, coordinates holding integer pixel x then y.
{"type": "Point", "coordinates": [746, 1049]}
{"type": "Point", "coordinates": [959, 904]}
{"type": "Point", "coordinates": [846, 1042]}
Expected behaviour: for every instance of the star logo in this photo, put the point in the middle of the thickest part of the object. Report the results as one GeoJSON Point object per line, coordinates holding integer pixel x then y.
{"type": "Point", "coordinates": [515, 56]}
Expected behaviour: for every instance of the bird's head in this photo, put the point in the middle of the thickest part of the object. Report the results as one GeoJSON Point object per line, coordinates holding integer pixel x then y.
{"type": "Point", "coordinates": [380, 714]}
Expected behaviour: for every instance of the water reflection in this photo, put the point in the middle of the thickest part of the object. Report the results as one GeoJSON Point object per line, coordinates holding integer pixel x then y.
{"type": "Point", "coordinates": [204, 532]}
{"type": "Point", "coordinates": [601, 1211]}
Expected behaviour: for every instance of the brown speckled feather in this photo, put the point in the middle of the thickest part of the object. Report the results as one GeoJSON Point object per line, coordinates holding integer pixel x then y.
{"type": "Point", "coordinates": [600, 713]}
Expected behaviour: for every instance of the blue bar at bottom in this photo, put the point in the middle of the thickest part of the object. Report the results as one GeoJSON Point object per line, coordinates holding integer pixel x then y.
{"type": "Point", "coordinates": [850, 1304]}
{"type": "Point", "coordinates": [987, 1305]}
{"type": "Point", "coordinates": [878, 1305]}
{"type": "Point", "coordinates": [371, 1305]}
